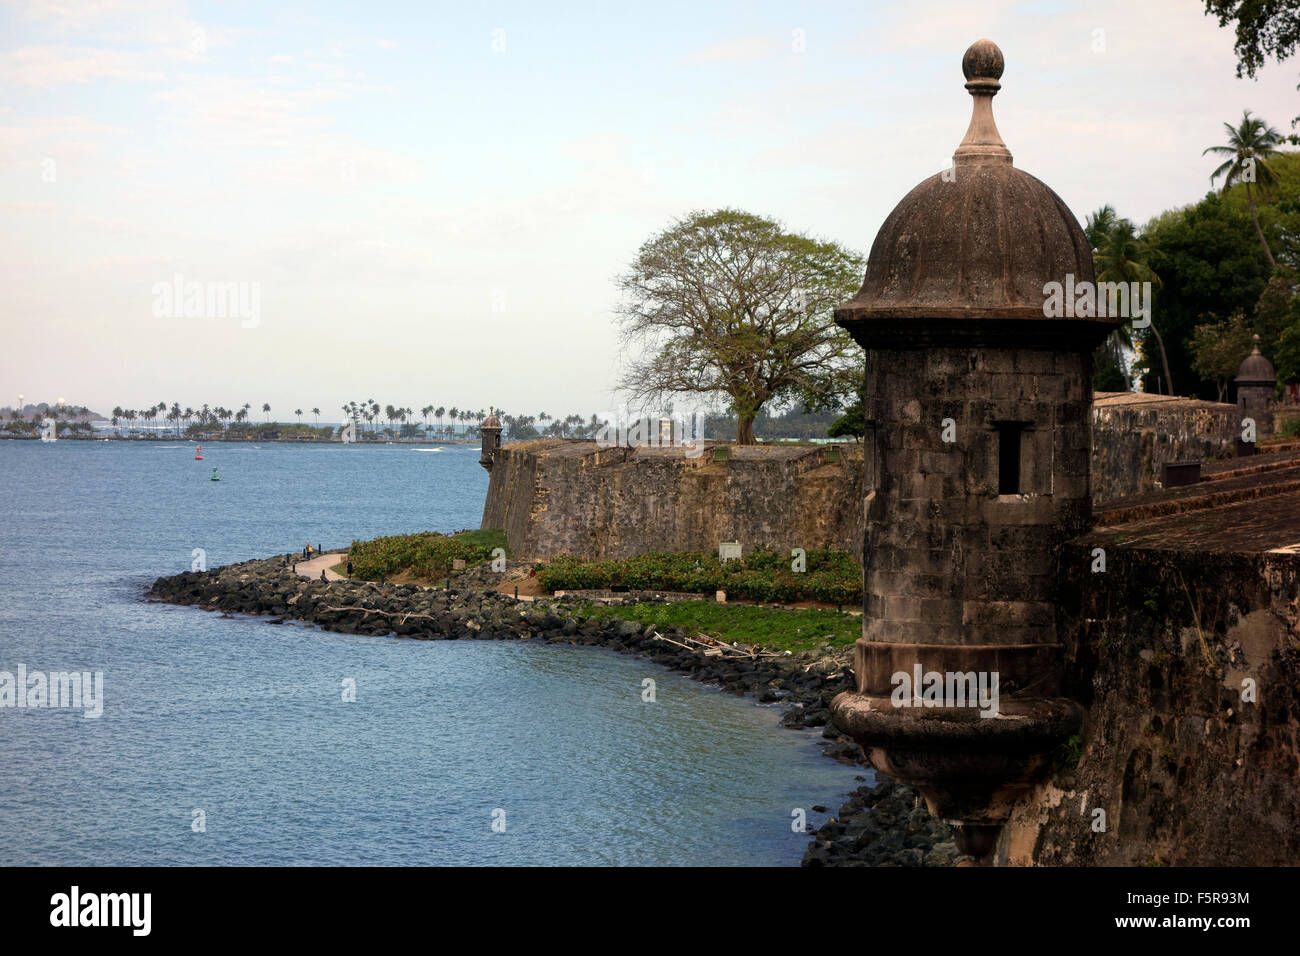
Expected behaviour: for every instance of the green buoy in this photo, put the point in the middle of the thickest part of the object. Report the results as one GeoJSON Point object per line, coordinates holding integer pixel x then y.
{"type": "Point", "coordinates": [214, 475]}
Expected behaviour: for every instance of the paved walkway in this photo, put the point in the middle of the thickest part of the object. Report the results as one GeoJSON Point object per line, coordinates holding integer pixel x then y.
{"type": "Point", "coordinates": [312, 569]}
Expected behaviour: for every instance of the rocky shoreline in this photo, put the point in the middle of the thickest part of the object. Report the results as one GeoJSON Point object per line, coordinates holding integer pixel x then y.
{"type": "Point", "coordinates": [881, 825]}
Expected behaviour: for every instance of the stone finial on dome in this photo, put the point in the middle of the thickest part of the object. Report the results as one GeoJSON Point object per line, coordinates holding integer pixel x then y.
{"type": "Point", "coordinates": [982, 65]}
{"type": "Point", "coordinates": [1255, 369]}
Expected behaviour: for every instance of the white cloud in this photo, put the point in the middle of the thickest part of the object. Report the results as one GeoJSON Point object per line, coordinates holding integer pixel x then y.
{"type": "Point", "coordinates": [35, 66]}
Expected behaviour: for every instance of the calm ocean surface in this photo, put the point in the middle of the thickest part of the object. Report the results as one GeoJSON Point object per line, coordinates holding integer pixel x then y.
{"type": "Point", "coordinates": [244, 720]}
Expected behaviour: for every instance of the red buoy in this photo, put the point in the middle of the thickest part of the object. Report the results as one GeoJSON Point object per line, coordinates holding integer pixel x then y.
{"type": "Point", "coordinates": [198, 453]}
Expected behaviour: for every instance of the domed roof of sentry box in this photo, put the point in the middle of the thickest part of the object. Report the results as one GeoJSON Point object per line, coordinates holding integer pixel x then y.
{"type": "Point", "coordinates": [1255, 369]}
{"type": "Point", "coordinates": [967, 253]}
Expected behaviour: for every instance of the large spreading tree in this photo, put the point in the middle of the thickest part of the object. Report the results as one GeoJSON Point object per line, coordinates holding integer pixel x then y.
{"type": "Point", "coordinates": [726, 303]}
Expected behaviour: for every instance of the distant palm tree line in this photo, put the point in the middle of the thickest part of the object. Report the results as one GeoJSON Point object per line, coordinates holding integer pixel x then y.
{"type": "Point", "coordinates": [367, 415]}
{"type": "Point", "coordinates": [45, 410]}
{"type": "Point", "coordinates": [69, 417]}
{"type": "Point", "coordinates": [370, 419]}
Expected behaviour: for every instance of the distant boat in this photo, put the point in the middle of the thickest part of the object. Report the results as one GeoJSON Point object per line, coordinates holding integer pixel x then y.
{"type": "Point", "coordinates": [198, 453]}
{"type": "Point", "coordinates": [214, 475]}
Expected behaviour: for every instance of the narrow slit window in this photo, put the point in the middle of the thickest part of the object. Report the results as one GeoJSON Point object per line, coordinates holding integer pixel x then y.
{"type": "Point", "coordinates": [1009, 455]}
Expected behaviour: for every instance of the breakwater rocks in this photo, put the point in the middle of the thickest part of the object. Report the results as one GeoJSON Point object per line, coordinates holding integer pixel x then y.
{"type": "Point", "coordinates": [879, 825]}
{"type": "Point", "coordinates": [884, 825]}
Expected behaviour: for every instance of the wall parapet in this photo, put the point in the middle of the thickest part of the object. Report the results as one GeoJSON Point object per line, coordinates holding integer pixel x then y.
{"type": "Point", "coordinates": [1135, 434]}
{"type": "Point", "coordinates": [556, 496]}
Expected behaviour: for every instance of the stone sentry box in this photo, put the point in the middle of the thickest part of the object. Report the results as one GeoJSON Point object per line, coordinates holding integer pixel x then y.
{"type": "Point", "coordinates": [977, 459]}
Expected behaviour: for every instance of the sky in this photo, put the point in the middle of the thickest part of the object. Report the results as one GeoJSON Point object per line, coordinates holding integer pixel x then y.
{"type": "Point", "coordinates": [429, 203]}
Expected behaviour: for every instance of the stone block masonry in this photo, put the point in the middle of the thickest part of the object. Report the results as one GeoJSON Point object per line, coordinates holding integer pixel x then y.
{"type": "Point", "coordinates": [1187, 663]}
{"type": "Point", "coordinates": [1134, 435]}
{"type": "Point", "coordinates": [557, 496]}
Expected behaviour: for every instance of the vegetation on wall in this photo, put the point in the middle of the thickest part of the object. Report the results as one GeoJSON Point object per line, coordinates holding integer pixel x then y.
{"type": "Point", "coordinates": [782, 629]}
{"type": "Point", "coordinates": [832, 576]}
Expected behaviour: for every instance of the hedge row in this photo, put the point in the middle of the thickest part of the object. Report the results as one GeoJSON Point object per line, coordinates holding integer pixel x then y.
{"type": "Point", "coordinates": [831, 576]}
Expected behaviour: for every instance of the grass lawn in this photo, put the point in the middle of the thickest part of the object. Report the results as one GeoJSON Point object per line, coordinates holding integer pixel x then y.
{"type": "Point", "coordinates": [784, 629]}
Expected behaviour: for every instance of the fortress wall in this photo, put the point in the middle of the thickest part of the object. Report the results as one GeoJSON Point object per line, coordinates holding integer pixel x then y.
{"type": "Point", "coordinates": [1188, 773]}
{"type": "Point", "coordinates": [557, 497]}
{"type": "Point", "coordinates": [1134, 435]}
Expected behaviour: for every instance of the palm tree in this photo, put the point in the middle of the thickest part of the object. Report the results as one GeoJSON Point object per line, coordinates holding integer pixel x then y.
{"type": "Point", "coordinates": [316, 412]}
{"type": "Point", "coordinates": [266, 410]}
{"type": "Point", "coordinates": [1121, 256]}
{"type": "Point", "coordinates": [1099, 225]}
{"type": "Point", "coordinates": [1250, 146]}
{"type": "Point", "coordinates": [298, 412]}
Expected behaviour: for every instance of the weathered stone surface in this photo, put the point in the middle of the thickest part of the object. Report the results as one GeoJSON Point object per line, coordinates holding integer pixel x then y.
{"type": "Point", "coordinates": [942, 581]}
{"type": "Point", "coordinates": [1255, 381]}
{"type": "Point", "coordinates": [556, 496]}
{"type": "Point", "coordinates": [1134, 435]}
{"type": "Point", "coordinates": [1188, 773]}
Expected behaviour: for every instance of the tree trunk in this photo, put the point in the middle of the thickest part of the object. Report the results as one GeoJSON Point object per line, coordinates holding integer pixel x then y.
{"type": "Point", "coordinates": [1255, 216]}
{"type": "Point", "coordinates": [1164, 359]}
{"type": "Point", "coordinates": [745, 430]}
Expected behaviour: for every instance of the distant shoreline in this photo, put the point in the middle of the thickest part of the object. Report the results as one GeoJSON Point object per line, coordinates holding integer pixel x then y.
{"type": "Point", "coordinates": [249, 440]}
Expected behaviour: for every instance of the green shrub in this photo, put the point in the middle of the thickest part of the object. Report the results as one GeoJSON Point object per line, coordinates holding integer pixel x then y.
{"type": "Point", "coordinates": [764, 576]}
{"type": "Point", "coordinates": [427, 556]}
